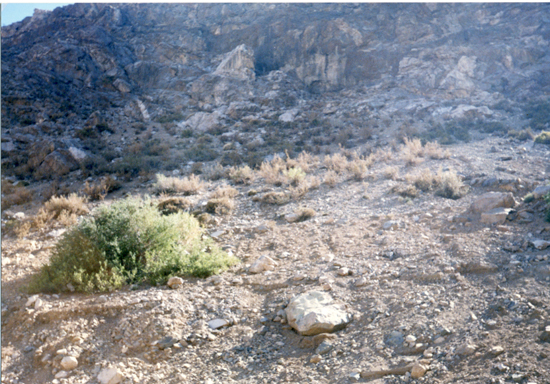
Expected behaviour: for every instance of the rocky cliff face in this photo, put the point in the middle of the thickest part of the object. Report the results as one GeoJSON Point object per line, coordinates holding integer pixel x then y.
{"type": "Point", "coordinates": [236, 68]}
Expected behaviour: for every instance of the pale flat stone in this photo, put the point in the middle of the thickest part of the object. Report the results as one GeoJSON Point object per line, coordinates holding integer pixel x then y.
{"type": "Point", "coordinates": [218, 323]}
{"type": "Point", "coordinates": [418, 370]}
{"type": "Point", "coordinates": [109, 376]}
{"type": "Point", "coordinates": [68, 363]}
{"type": "Point", "coordinates": [314, 313]}
{"type": "Point", "coordinates": [264, 263]}
{"type": "Point", "coordinates": [492, 200]}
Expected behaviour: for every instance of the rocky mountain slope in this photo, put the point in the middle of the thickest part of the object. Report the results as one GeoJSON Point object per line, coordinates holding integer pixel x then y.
{"type": "Point", "coordinates": [85, 82]}
{"type": "Point", "coordinates": [391, 227]}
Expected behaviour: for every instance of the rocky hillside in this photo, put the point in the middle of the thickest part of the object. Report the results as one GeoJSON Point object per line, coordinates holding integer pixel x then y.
{"type": "Point", "coordinates": [376, 174]}
{"type": "Point", "coordinates": [83, 84]}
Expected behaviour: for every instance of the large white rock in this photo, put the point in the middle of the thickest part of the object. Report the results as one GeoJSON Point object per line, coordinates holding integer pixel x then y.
{"type": "Point", "coordinates": [495, 216]}
{"type": "Point", "coordinates": [315, 312]}
{"type": "Point", "coordinates": [264, 263]}
{"type": "Point", "coordinates": [175, 282]}
{"type": "Point", "coordinates": [109, 376]}
{"type": "Point", "coordinates": [492, 200]}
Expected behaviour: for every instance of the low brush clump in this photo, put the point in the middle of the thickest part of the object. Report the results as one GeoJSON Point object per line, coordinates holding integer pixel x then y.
{"type": "Point", "coordinates": [445, 184]}
{"type": "Point", "coordinates": [14, 194]}
{"type": "Point", "coordinates": [242, 175]}
{"type": "Point", "coordinates": [221, 202]}
{"type": "Point", "coordinates": [294, 176]}
{"type": "Point", "coordinates": [173, 185]}
{"type": "Point", "coordinates": [275, 198]}
{"type": "Point", "coordinates": [304, 214]}
{"type": "Point", "coordinates": [64, 209]}
{"type": "Point", "coordinates": [171, 205]}
{"type": "Point", "coordinates": [126, 243]}
{"type": "Point", "coordinates": [99, 190]}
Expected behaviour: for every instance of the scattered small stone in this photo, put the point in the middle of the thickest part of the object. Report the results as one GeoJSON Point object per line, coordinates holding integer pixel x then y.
{"type": "Point", "coordinates": [496, 350]}
{"type": "Point", "coordinates": [391, 224]}
{"type": "Point", "coordinates": [175, 282]}
{"type": "Point", "coordinates": [344, 272]}
{"type": "Point", "coordinates": [218, 323]}
{"type": "Point", "coordinates": [109, 376]}
{"type": "Point", "coordinates": [264, 263]}
{"type": "Point", "coordinates": [315, 359]}
{"type": "Point", "coordinates": [418, 371]}
{"type": "Point", "coordinates": [466, 349]}
{"type": "Point", "coordinates": [361, 282]}
{"type": "Point", "coordinates": [69, 363]}
{"type": "Point", "coordinates": [323, 348]}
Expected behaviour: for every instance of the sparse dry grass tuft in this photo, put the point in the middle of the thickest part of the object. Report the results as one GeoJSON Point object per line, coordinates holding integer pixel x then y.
{"type": "Point", "coordinates": [98, 191]}
{"type": "Point", "coordinates": [14, 194]}
{"type": "Point", "coordinates": [446, 184]}
{"type": "Point", "coordinates": [275, 198]}
{"type": "Point", "coordinates": [272, 170]}
{"type": "Point", "coordinates": [172, 185]}
{"type": "Point", "coordinates": [450, 185]}
{"type": "Point", "coordinates": [220, 206]}
{"type": "Point", "coordinates": [304, 214]}
{"type": "Point", "coordinates": [383, 155]}
{"type": "Point", "coordinates": [171, 205]}
{"type": "Point", "coordinates": [63, 207]}
{"type": "Point", "coordinates": [405, 190]}
{"type": "Point", "coordinates": [225, 191]}
{"type": "Point", "coordinates": [330, 179]}
{"type": "Point", "coordinates": [242, 175]}
{"type": "Point", "coordinates": [337, 163]}
{"type": "Point", "coordinates": [391, 173]}
{"type": "Point", "coordinates": [434, 151]}
{"type": "Point", "coordinates": [306, 161]}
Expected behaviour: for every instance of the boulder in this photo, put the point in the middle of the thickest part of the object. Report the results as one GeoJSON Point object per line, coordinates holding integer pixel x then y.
{"type": "Point", "coordinates": [495, 216]}
{"type": "Point", "coordinates": [175, 282]}
{"type": "Point", "coordinates": [239, 63]}
{"type": "Point", "coordinates": [56, 164]}
{"type": "Point", "coordinates": [492, 200]}
{"type": "Point", "coordinates": [69, 363]}
{"type": "Point", "coordinates": [315, 312]}
{"type": "Point", "coordinates": [541, 191]}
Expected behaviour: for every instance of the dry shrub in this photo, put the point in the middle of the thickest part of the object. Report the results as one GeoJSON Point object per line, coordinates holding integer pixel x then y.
{"type": "Point", "coordinates": [359, 165]}
{"type": "Point", "coordinates": [425, 181]}
{"type": "Point", "coordinates": [220, 206]}
{"type": "Point", "coordinates": [276, 198]}
{"type": "Point", "coordinates": [450, 185]}
{"type": "Point", "coordinates": [98, 191]}
{"type": "Point", "coordinates": [383, 155]}
{"type": "Point", "coordinates": [330, 179]}
{"type": "Point", "coordinates": [171, 185]}
{"type": "Point", "coordinates": [272, 170]}
{"type": "Point", "coordinates": [305, 161]}
{"type": "Point", "coordinates": [242, 175]}
{"type": "Point", "coordinates": [22, 229]}
{"type": "Point", "coordinates": [412, 151]}
{"type": "Point", "coordinates": [391, 173]}
{"type": "Point", "coordinates": [446, 184]}
{"type": "Point", "coordinates": [224, 192]}
{"type": "Point", "coordinates": [304, 214]}
{"type": "Point", "coordinates": [405, 190]}
{"type": "Point", "coordinates": [215, 172]}
{"type": "Point", "coordinates": [337, 163]}
{"type": "Point", "coordinates": [434, 151]}
{"type": "Point", "coordinates": [14, 194]}
{"type": "Point", "coordinates": [61, 207]}
{"type": "Point", "coordinates": [171, 205]}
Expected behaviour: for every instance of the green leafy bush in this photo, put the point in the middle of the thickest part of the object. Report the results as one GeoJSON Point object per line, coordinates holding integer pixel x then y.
{"type": "Point", "coordinates": [129, 242]}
